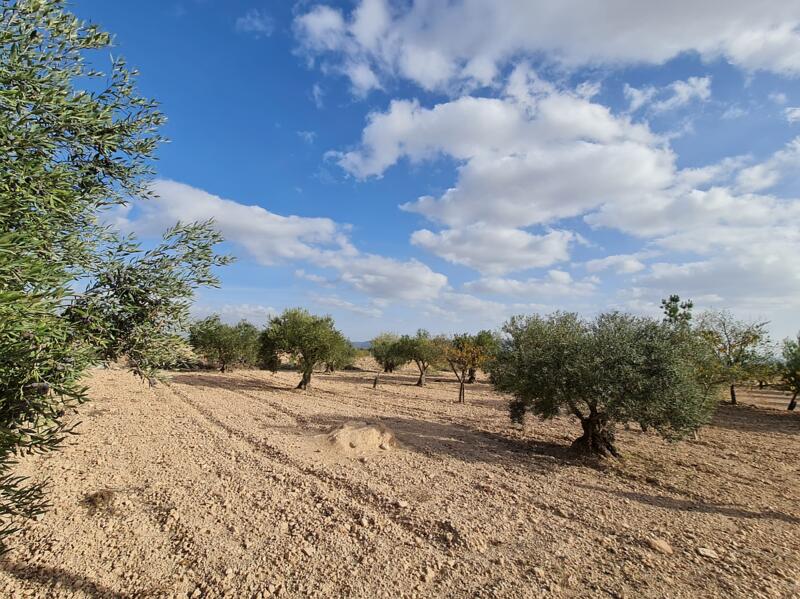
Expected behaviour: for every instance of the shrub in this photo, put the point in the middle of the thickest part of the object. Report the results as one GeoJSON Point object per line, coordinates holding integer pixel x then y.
{"type": "Point", "coordinates": [306, 339]}
{"type": "Point", "coordinates": [615, 369]}
{"type": "Point", "coordinates": [224, 345]}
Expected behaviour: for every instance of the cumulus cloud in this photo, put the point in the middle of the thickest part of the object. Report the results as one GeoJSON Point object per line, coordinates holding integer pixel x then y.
{"type": "Point", "coordinates": [496, 250]}
{"type": "Point", "coordinates": [271, 239]}
{"type": "Point", "coordinates": [333, 301]}
{"type": "Point", "coordinates": [676, 95]}
{"type": "Point", "coordinates": [441, 44]}
{"type": "Point", "coordinates": [557, 283]}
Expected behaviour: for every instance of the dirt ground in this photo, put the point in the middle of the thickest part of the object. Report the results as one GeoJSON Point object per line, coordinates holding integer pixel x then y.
{"type": "Point", "coordinates": [233, 485]}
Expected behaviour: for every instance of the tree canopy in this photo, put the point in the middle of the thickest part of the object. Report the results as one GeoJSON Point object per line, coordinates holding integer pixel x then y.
{"type": "Point", "coordinates": [73, 142]}
{"type": "Point", "coordinates": [614, 369]}
{"type": "Point", "coordinates": [225, 345]}
{"type": "Point", "coordinates": [425, 351]}
{"type": "Point", "coordinates": [306, 339]}
{"type": "Point", "coordinates": [741, 349]}
{"type": "Point", "coordinates": [387, 351]}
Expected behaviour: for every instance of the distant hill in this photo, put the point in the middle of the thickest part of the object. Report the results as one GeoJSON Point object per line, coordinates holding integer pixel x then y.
{"type": "Point", "coordinates": [361, 344]}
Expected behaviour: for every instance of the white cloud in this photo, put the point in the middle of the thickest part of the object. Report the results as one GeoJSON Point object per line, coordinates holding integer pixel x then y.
{"type": "Point", "coordinates": [496, 250]}
{"type": "Point", "coordinates": [272, 239]}
{"type": "Point", "coordinates": [307, 136]}
{"type": "Point", "coordinates": [684, 92]}
{"type": "Point", "coordinates": [792, 114]}
{"type": "Point", "coordinates": [766, 174]}
{"type": "Point", "coordinates": [332, 301]}
{"type": "Point", "coordinates": [442, 44]}
{"type": "Point", "coordinates": [620, 263]}
{"type": "Point", "coordinates": [778, 97]}
{"type": "Point", "coordinates": [255, 22]}
{"type": "Point", "coordinates": [557, 283]}
{"type": "Point", "coordinates": [675, 95]}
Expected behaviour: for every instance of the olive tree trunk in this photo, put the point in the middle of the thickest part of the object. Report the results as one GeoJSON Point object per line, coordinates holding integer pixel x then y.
{"type": "Point", "coordinates": [597, 438]}
{"type": "Point", "coordinates": [471, 376]}
{"type": "Point", "coordinates": [305, 381]}
{"type": "Point", "coordinates": [793, 403]}
{"type": "Point", "coordinates": [733, 395]}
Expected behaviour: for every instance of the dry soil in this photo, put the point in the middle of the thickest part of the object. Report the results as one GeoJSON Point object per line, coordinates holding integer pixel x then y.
{"type": "Point", "coordinates": [237, 485]}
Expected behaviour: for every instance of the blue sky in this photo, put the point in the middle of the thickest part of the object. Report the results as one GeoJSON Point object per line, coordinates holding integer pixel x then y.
{"type": "Point", "coordinates": [448, 164]}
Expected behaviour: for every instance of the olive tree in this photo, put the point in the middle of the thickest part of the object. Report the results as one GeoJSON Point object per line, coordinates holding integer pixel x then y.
{"type": "Point", "coordinates": [614, 369]}
{"type": "Point", "coordinates": [137, 302]}
{"type": "Point", "coordinates": [489, 343]}
{"type": "Point", "coordinates": [386, 350]}
{"type": "Point", "coordinates": [790, 369]}
{"type": "Point", "coordinates": [740, 348]}
{"type": "Point", "coordinates": [422, 349]}
{"type": "Point", "coordinates": [73, 141]}
{"type": "Point", "coordinates": [342, 354]}
{"type": "Point", "coordinates": [225, 345]}
{"type": "Point", "coordinates": [307, 339]}
{"type": "Point", "coordinates": [464, 354]}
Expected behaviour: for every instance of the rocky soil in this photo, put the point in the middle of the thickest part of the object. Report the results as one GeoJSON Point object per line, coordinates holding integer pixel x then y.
{"type": "Point", "coordinates": [237, 485]}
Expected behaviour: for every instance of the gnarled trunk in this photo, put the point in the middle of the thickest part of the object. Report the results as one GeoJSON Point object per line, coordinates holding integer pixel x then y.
{"type": "Point", "coordinates": [733, 395]}
{"type": "Point", "coordinates": [421, 380]}
{"type": "Point", "coordinates": [305, 381]}
{"type": "Point", "coordinates": [471, 376]}
{"type": "Point", "coordinates": [793, 404]}
{"type": "Point", "coordinates": [597, 438]}
{"type": "Point", "coordinates": [461, 391]}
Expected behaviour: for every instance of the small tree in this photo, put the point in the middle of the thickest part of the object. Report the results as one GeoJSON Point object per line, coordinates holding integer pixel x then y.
{"type": "Point", "coordinates": [489, 342]}
{"type": "Point", "coordinates": [224, 345]}
{"type": "Point", "coordinates": [309, 340]}
{"type": "Point", "coordinates": [422, 349]}
{"type": "Point", "coordinates": [790, 369]}
{"type": "Point", "coordinates": [386, 350]}
{"type": "Point", "coordinates": [464, 354]}
{"type": "Point", "coordinates": [617, 368]}
{"type": "Point", "coordinates": [342, 355]}
{"type": "Point", "coordinates": [741, 348]}
{"type": "Point", "coordinates": [677, 312]}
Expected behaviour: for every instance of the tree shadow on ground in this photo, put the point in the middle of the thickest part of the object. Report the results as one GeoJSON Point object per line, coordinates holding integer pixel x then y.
{"type": "Point", "coordinates": [221, 381]}
{"type": "Point", "coordinates": [756, 419]}
{"type": "Point", "coordinates": [687, 505]}
{"type": "Point", "coordinates": [49, 577]}
{"type": "Point", "coordinates": [442, 439]}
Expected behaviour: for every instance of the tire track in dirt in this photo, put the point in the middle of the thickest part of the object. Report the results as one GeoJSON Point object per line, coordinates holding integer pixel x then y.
{"type": "Point", "coordinates": [441, 535]}
{"type": "Point", "coordinates": [518, 474]}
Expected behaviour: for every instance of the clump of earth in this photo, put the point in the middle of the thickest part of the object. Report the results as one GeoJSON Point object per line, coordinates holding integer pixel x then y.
{"type": "Point", "coordinates": [361, 437]}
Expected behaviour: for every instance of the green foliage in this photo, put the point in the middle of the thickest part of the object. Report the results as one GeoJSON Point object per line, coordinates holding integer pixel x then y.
{"type": "Point", "coordinates": [677, 312]}
{"type": "Point", "coordinates": [224, 345]}
{"type": "Point", "coordinates": [306, 339]}
{"type": "Point", "coordinates": [741, 349]}
{"type": "Point", "coordinates": [72, 142]}
{"type": "Point", "coordinates": [138, 301]}
{"type": "Point", "coordinates": [342, 354]}
{"type": "Point", "coordinates": [425, 351]}
{"type": "Point", "coordinates": [465, 354]}
{"type": "Point", "coordinates": [790, 368]}
{"type": "Point", "coordinates": [386, 350]}
{"type": "Point", "coordinates": [615, 369]}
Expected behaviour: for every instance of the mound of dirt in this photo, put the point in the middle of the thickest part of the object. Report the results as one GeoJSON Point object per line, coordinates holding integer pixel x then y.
{"type": "Point", "coordinates": [361, 437]}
